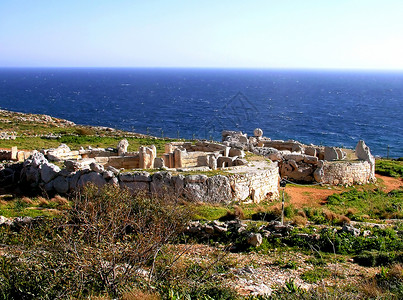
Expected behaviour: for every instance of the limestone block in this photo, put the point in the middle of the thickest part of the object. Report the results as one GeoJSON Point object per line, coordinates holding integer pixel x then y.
{"type": "Point", "coordinates": [96, 168]}
{"type": "Point", "coordinates": [218, 189]}
{"type": "Point", "coordinates": [14, 152]}
{"type": "Point", "coordinates": [310, 159]}
{"type": "Point", "coordinates": [330, 154]}
{"type": "Point", "coordinates": [311, 151]}
{"type": "Point", "coordinates": [258, 132]}
{"type": "Point", "coordinates": [179, 184]}
{"type": "Point", "coordinates": [21, 156]}
{"type": "Point", "coordinates": [92, 177]}
{"type": "Point", "coordinates": [108, 175]}
{"type": "Point", "coordinates": [159, 163]}
{"type": "Point", "coordinates": [225, 162]}
{"type": "Point", "coordinates": [122, 147]}
{"type": "Point", "coordinates": [48, 172]}
{"type": "Point", "coordinates": [138, 186]}
{"type": "Point", "coordinates": [162, 184]}
{"type": "Point", "coordinates": [212, 162]}
{"type": "Point", "coordinates": [61, 184]}
{"type": "Point", "coordinates": [240, 162]}
{"type": "Point", "coordinates": [195, 191]}
{"type": "Point", "coordinates": [294, 156]}
{"type": "Point", "coordinates": [195, 179]}
{"type": "Point", "coordinates": [236, 152]}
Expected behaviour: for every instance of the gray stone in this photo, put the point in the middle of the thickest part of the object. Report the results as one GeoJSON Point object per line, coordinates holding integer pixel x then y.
{"type": "Point", "coordinates": [258, 132]}
{"type": "Point", "coordinates": [236, 152]}
{"type": "Point", "coordinates": [136, 186]}
{"type": "Point", "coordinates": [61, 184]}
{"type": "Point", "coordinates": [319, 172]}
{"type": "Point", "coordinates": [218, 189]}
{"type": "Point", "coordinates": [122, 147]}
{"type": "Point", "coordinates": [331, 153]}
{"type": "Point", "coordinates": [49, 171]}
{"type": "Point", "coordinates": [159, 163]}
{"type": "Point", "coordinates": [114, 170]}
{"type": "Point", "coordinates": [92, 177]}
{"type": "Point", "coordinates": [161, 183]}
{"type": "Point", "coordinates": [108, 175]}
{"type": "Point", "coordinates": [37, 159]}
{"type": "Point", "coordinates": [96, 167]}
{"type": "Point", "coordinates": [195, 179]}
{"type": "Point", "coordinates": [255, 239]}
{"type": "Point", "coordinates": [351, 230]}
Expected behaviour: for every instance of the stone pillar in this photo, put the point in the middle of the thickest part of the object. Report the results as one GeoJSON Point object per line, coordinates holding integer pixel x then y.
{"type": "Point", "coordinates": [178, 158]}
{"type": "Point", "coordinates": [14, 151]}
{"type": "Point", "coordinates": [169, 148]}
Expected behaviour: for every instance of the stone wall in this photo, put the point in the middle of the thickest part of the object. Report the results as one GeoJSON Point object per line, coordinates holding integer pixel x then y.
{"type": "Point", "coordinates": [257, 185]}
{"type": "Point", "coordinates": [347, 173]}
{"type": "Point", "coordinates": [14, 154]}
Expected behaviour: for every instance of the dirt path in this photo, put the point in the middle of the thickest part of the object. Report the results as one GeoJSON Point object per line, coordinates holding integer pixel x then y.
{"type": "Point", "coordinates": [302, 196]}
{"type": "Point", "coordinates": [390, 183]}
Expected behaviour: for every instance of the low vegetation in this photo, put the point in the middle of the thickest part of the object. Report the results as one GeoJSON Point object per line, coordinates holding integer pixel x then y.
{"type": "Point", "coordinates": [393, 168]}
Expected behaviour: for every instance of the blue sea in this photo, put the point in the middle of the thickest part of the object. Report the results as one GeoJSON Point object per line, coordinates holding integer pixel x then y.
{"type": "Point", "coordinates": [335, 108]}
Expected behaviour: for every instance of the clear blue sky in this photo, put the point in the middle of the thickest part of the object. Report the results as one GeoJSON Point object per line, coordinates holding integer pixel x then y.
{"type": "Point", "coordinates": [362, 34]}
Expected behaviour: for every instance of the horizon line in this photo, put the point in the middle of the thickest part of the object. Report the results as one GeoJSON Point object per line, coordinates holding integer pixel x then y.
{"type": "Point", "coordinates": [209, 68]}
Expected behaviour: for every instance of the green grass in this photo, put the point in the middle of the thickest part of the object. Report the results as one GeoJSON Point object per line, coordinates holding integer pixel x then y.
{"type": "Point", "coordinates": [75, 142]}
{"type": "Point", "coordinates": [208, 212]}
{"type": "Point", "coordinates": [376, 204]}
{"type": "Point", "coordinates": [392, 168]}
{"type": "Point", "coordinates": [19, 208]}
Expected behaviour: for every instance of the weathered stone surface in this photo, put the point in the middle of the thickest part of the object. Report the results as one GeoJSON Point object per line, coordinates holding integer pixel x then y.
{"type": "Point", "coordinates": [310, 159]}
{"type": "Point", "coordinates": [49, 171]}
{"type": "Point", "coordinates": [195, 179]}
{"type": "Point", "coordinates": [363, 152]}
{"type": "Point", "coordinates": [258, 132]}
{"type": "Point", "coordinates": [92, 177]}
{"type": "Point", "coordinates": [96, 167]}
{"type": "Point", "coordinates": [137, 176]}
{"type": "Point", "coordinates": [195, 191]}
{"type": "Point", "coordinates": [159, 163]}
{"type": "Point", "coordinates": [236, 152]}
{"type": "Point", "coordinates": [255, 239]}
{"type": "Point", "coordinates": [61, 185]}
{"type": "Point", "coordinates": [108, 175]}
{"type": "Point", "coordinates": [161, 183]}
{"type": "Point", "coordinates": [122, 147]}
{"type": "Point", "coordinates": [297, 157]}
{"type": "Point", "coordinates": [219, 189]}
{"type": "Point", "coordinates": [36, 159]}
{"type": "Point", "coordinates": [319, 172]}
{"type": "Point", "coordinates": [310, 151]}
{"type": "Point", "coordinates": [331, 153]}
{"type": "Point", "coordinates": [136, 186]}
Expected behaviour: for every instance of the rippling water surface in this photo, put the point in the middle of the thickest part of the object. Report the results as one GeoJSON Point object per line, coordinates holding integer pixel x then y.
{"type": "Point", "coordinates": [321, 107]}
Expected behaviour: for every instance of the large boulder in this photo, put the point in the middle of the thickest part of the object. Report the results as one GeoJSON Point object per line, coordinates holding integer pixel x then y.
{"type": "Point", "coordinates": [331, 153]}
{"type": "Point", "coordinates": [218, 189]}
{"type": "Point", "coordinates": [92, 177]}
{"type": "Point", "coordinates": [49, 171]}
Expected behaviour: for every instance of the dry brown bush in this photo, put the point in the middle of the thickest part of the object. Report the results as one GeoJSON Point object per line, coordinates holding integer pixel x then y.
{"type": "Point", "coordinates": [301, 213]}
{"type": "Point", "coordinates": [27, 200]}
{"type": "Point", "coordinates": [42, 201]}
{"type": "Point", "coordinates": [329, 215]}
{"type": "Point", "coordinates": [341, 220]}
{"type": "Point", "coordinates": [59, 200]}
{"type": "Point", "coordinates": [299, 220]}
{"type": "Point", "coordinates": [137, 294]}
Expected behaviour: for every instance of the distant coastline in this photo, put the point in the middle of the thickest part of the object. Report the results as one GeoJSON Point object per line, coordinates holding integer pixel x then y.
{"type": "Point", "coordinates": [334, 108]}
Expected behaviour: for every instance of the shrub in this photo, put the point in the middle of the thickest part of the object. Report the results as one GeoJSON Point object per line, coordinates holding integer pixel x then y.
{"type": "Point", "coordinates": [96, 248]}
{"type": "Point", "coordinates": [393, 168]}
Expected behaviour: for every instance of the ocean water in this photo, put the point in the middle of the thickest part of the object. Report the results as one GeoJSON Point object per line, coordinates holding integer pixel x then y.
{"type": "Point", "coordinates": [335, 108]}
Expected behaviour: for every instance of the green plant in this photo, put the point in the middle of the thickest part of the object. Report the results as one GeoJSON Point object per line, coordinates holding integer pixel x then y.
{"type": "Point", "coordinates": [315, 275]}
{"type": "Point", "coordinates": [393, 168]}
